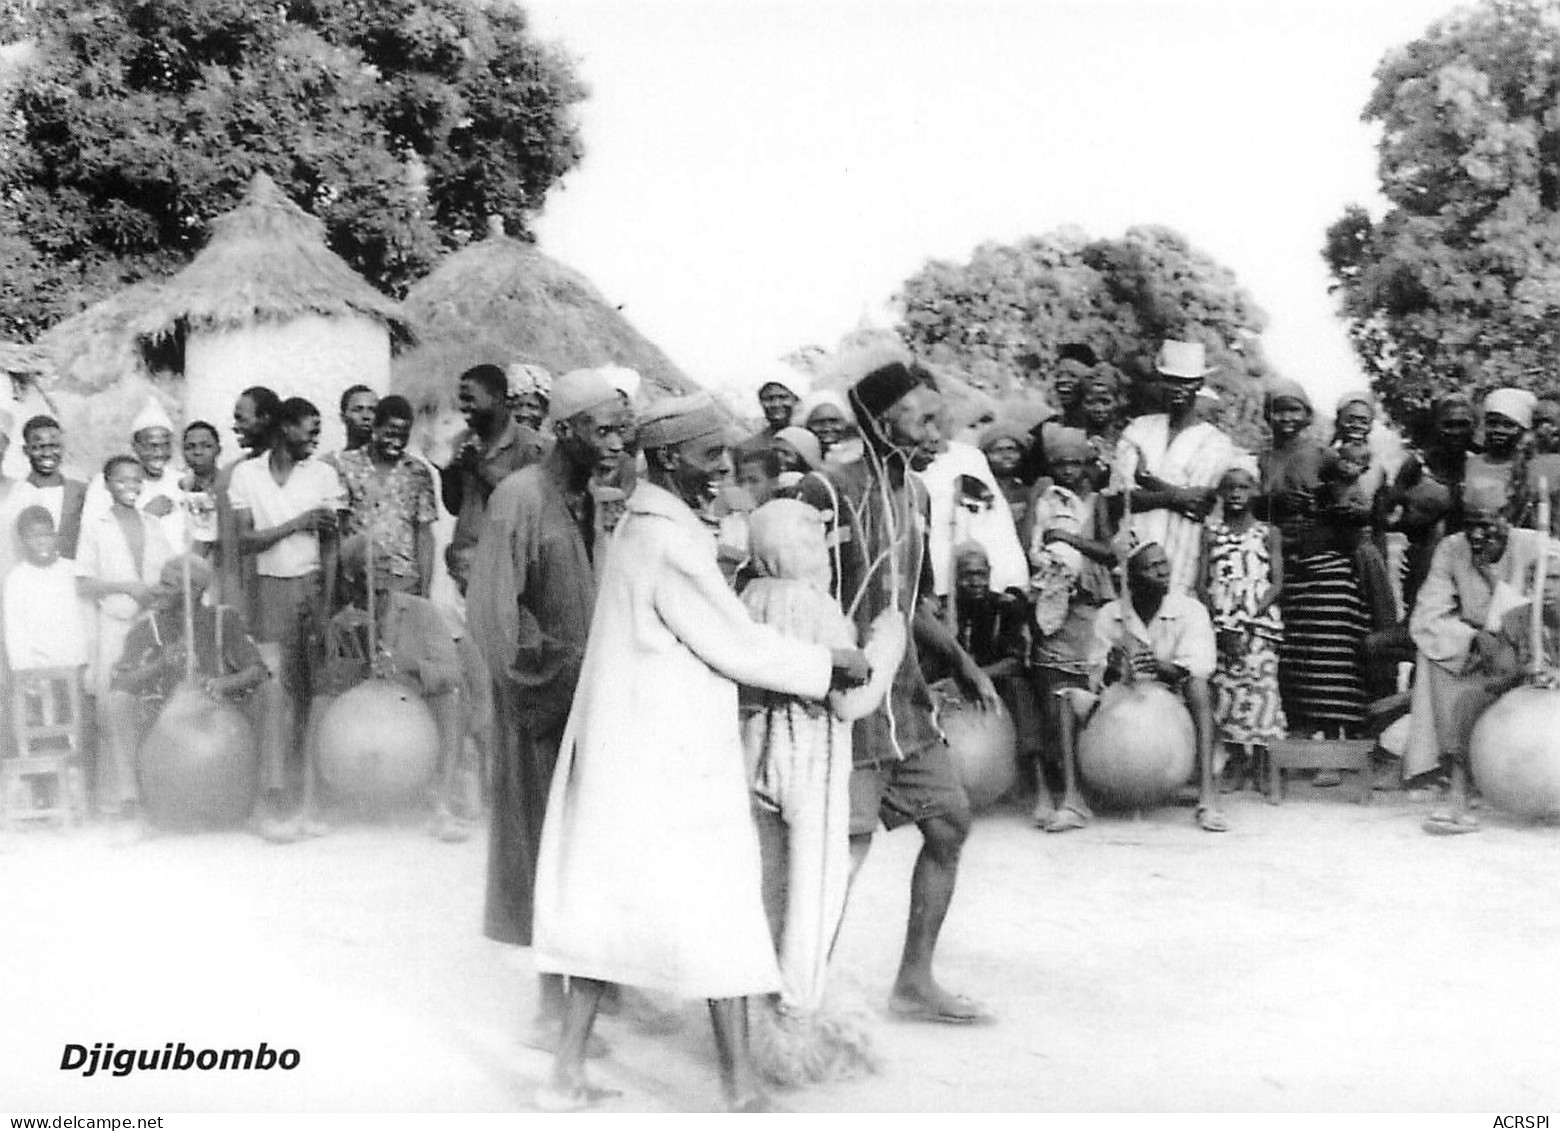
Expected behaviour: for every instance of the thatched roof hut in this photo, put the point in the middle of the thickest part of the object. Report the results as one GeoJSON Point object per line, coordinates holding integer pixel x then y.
{"type": "Point", "coordinates": [93, 350]}
{"type": "Point", "coordinates": [266, 302]}
{"type": "Point", "coordinates": [501, 300]}
{"type": "Point", "coordinates": [266, 262]}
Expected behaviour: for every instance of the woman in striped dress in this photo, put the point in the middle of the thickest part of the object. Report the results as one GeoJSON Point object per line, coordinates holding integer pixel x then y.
{"type": "Point", "coordinates": [1325, 612]}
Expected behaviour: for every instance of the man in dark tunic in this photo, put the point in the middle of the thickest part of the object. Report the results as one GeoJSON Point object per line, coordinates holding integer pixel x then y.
{"type": "Point", "coordinates": [529, 606]}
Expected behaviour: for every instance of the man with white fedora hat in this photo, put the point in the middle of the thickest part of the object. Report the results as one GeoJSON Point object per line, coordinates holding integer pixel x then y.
{"type": "Point", "coordinates": [1173, 462]}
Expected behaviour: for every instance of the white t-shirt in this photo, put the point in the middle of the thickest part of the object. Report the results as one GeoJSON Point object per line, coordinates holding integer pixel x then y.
{"type": "Point", "coordinates": [43, 617]}
{"type": "Point", "coordinates": [312, 483]}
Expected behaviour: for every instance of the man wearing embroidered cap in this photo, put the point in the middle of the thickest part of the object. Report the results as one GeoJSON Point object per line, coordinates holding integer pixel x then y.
{"type": "Point", "coordinates": [649, 867]}
{"type": "Point", "coordinates": [528, 608]}
{"type": "Point", "coordinates": [1173, 462]}
{"type": "Point", "coordinates": [151, 440]}
{"type": "Point", "coordinates": [530, 390]}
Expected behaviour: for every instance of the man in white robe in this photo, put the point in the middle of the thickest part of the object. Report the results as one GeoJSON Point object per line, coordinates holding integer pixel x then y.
{"type": "Point", "coordinates": [648, 873]}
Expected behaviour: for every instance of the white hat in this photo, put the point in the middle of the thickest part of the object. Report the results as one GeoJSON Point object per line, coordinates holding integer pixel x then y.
{"type": "Point", "coordinates": [1187, 360]}
{"type": "Point", "coordinates": [152, 416]}
{"type": "Point", "coordinates": [625, 380]}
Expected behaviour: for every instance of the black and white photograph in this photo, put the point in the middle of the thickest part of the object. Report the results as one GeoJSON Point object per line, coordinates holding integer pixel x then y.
{"type": "Point", "coordinates": [646, 556]}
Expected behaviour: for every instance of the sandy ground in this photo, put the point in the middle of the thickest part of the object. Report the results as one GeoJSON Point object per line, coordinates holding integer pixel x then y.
{"type": "Point", "coordinates": [1320, 956]}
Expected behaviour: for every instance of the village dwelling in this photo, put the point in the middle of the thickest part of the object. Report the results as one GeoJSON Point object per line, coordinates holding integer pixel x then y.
{"type": "Point", "coordinates": [266, 302]}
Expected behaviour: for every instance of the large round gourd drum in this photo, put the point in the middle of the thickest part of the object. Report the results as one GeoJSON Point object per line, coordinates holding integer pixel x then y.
{"type": "Point", "coordinates": [199, 765]}
{"type": "Point", "coordinates": [377, 744]}
{"type": "Point", "coordinates": [1139, 746]}
{"type": "Point", "coordinates": [1515, 752]}
{"type": "Point", "coordinates": [984, 745]}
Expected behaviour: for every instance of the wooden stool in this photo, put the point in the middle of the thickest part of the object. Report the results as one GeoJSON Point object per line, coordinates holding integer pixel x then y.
{"type": "Point", "coordinates": [46, 718]}
{"type": "Point", "coordinates": [1321, 754]}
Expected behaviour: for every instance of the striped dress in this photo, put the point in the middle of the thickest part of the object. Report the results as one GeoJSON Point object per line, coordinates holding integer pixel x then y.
{"type": "Point", "coordinates": [1326, 616]}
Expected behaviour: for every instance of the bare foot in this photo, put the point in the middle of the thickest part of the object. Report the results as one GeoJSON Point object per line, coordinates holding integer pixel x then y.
{"type": "Point", "coordinates": [546, 1033]}
{"type": "Point", "coordinates": [553, 1097]}
{"type": "Point", "coordinates": [930, 1002]}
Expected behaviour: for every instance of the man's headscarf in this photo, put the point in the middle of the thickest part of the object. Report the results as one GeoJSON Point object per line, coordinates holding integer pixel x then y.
{"type": "Point", "coordinates": [1065, 443]}
{"type": "Point", "coordinates": [677, 420]}
{"type": "Point", "coordinates": [580, 390]}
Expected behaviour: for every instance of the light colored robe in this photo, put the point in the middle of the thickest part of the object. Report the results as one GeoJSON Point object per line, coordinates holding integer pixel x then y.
{"type": "Point", "coordinates": [649, 868]}
{"type": "Point", "coordinates": [1197, 457]}
{"type": "Point", "coordinates": [1458, 601]}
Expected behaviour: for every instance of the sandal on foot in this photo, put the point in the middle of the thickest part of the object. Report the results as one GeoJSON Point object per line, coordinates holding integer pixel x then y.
{"type": "Point", "coordinates": [1443, 822]}
{"type": "Point", "coordinates": [550, 1099]}
{"type": "Point", "coordinates": [1211, 820]}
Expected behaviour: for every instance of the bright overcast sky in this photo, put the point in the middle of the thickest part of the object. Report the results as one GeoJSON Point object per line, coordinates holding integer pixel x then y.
{"type": "Point", "coordinates": [760, 175]}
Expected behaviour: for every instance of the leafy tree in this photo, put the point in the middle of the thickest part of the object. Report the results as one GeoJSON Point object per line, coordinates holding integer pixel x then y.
{"type": "Point", "coordinates": [1003, 316]}
{"type": "Point", "coordinates": [1458, 284]}
{"type": "Point", "coordinates": [402, 124]}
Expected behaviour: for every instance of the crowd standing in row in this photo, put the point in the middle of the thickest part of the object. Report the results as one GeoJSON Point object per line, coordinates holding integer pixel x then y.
{"type": "Point", "coordinates": [627, 566]}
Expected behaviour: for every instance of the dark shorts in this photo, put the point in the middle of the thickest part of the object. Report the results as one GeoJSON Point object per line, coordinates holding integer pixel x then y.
{"type": "Point", "coordinates": [926, 784]}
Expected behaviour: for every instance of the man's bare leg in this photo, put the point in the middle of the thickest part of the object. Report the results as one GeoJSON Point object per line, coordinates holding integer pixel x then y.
{"type": "Point", "coordinates": [916, 992]}
{"type": "Point", "coordinates": [738, 1076]}
{"type": "Point", "coordinates": [1073, 812]}
{"type": "Point", "coordinates": [567, 1089]}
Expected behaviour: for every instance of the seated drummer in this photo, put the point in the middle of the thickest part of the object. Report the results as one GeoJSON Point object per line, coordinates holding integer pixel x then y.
{"type": "Point", "coordinates": [414, 648]}
{"type": "Point", "coordinates": [1498, 662]}
{"type": "Point", "coordinates": [993, 628]}
{"type": "Point", "coordinates": [228, 666]}
{"type": "Point", "coordinates": [1168, 637]}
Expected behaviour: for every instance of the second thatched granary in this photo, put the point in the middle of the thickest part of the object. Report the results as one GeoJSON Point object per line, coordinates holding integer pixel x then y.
{"type": "Point", "coordinates": [500, 300]}
{"type": "Point", "coordinates": [266, 302]}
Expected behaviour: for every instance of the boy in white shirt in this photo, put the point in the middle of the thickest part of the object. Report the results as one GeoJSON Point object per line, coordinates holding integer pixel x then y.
{"type": "Point", "coordinates": [43, 626]}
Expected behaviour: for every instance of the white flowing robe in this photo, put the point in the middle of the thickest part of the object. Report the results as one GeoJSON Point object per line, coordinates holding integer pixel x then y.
{"type": "Point", "coordinates": [1197, 457]}
{"type": "Point", "coordinates": [649, 872]}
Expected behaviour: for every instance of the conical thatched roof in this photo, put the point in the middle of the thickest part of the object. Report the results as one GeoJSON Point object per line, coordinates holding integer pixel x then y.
{"type": "Point", "coordinates": [90, 351]}
{"type": "Point", "coordinates": [22, 361]}
{"type": "Point", "coordinates": [501, 300]}
{"type": "Point", "coordinates": [266, 262]}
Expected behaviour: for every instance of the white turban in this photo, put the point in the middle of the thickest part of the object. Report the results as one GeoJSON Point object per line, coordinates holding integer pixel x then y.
{"type": "Point", "coordinates": [1517, 404]}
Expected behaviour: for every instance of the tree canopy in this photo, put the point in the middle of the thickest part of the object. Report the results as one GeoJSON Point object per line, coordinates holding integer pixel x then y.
{"type": "Point", "coordinates": [1458, 284]}
{"type": "Point", "coordinates": [1003, 316]}
{"type": "Point", "coordinates": [401, 124]}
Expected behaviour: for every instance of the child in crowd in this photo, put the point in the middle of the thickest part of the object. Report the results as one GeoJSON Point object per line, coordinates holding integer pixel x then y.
{"type": "Point", "coordinates": [1240, 581]}
{"type": "Point", "coordinates": [202, 446]}
{"type": "Point", "coordinates": [1067, 536]}
{"type": "Point", "coordinates": [1070, 553]}
{"type": "Point", "coordinates": [118, 566]}
{"type": "Point", "coordinates": [43, 626]}
{"type": "Point", "coordinates": [799, 763]}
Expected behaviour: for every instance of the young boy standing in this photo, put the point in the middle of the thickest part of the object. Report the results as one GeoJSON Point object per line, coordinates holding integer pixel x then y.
{"type": "Point", "coordinates": [118, 566]}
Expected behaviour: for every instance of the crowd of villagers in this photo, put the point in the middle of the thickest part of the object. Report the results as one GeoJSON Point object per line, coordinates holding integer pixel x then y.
{"type": "Point", "coordinates": [867, 554]}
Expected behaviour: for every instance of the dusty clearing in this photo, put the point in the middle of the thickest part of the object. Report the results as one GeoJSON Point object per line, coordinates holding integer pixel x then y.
{"type": "Point", "coordinates": [1321, 956]}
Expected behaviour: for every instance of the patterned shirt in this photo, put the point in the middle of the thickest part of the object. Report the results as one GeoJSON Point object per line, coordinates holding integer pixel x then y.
{"type": "Point", "coordinates": [390, 506]}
